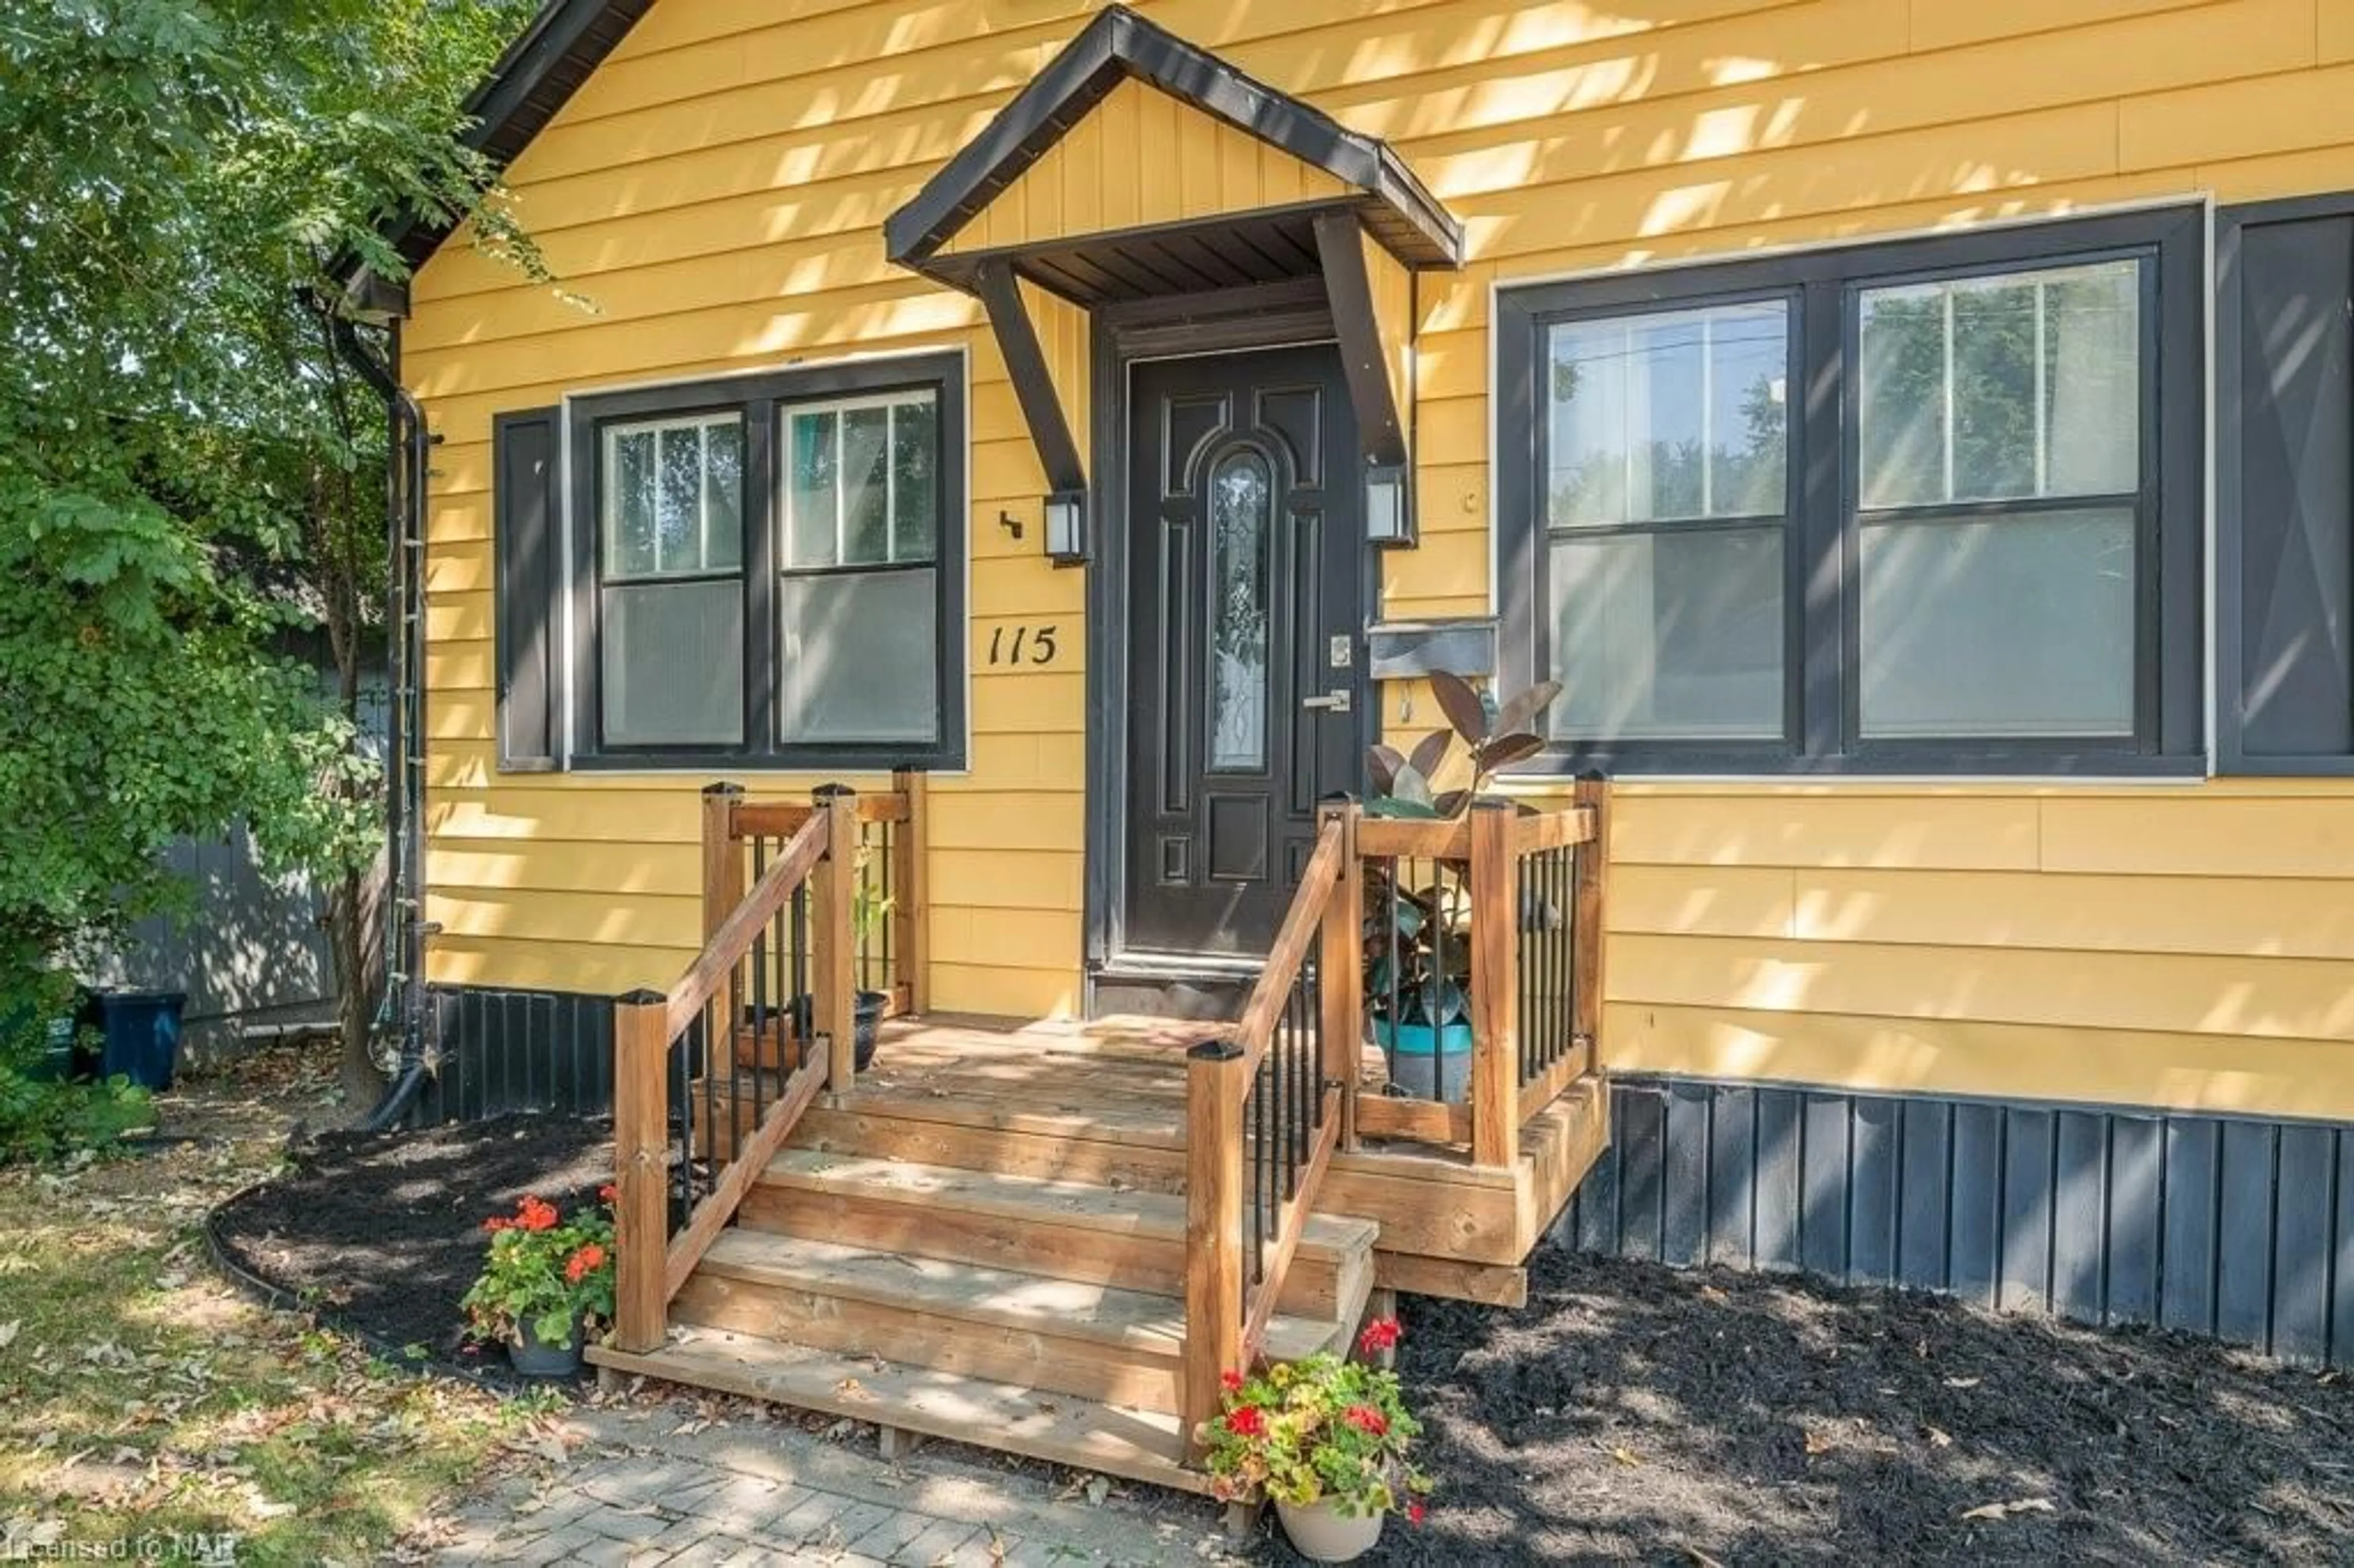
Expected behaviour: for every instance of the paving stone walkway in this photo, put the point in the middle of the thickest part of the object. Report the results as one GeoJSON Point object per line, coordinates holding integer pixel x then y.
{"type": "Point", "coordinates": [636, 1490]}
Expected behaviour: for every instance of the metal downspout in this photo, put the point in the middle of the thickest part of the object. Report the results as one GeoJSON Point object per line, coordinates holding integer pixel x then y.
{"type": "Point", "coordinates": [407, 467]}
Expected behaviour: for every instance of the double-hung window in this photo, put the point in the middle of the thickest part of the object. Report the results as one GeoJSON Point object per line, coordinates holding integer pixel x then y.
{"type": "Point", "coordinates": [770, 570]}
{"type": "Point", "coordinates": [1919, 507]}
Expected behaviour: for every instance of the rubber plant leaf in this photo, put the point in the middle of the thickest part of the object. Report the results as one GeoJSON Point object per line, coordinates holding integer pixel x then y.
{"type": "Point", "coordinates": [1461, 706]}
{"type": "Point", "coordinates": [1429, 752]}
{"type": "Point", "coordinates": [1507, 749]}
{"type": "Point", "coordinates": [1383, 764]}
{"type": "Point", "coordinates": [1412, 787]}
{"type": "Point", "coordinates": [1516, 713]}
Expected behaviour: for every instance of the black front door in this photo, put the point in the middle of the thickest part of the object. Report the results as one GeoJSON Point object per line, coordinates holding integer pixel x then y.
{"type": "Point", "coordinates": [1245, 595]}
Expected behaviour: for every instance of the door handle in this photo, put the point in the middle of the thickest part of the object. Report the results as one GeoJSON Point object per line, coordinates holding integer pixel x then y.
{"type": "Point", "coordinates": [1335, 702]}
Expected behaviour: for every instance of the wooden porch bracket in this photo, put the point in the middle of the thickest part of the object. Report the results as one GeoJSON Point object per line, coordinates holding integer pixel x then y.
{"type": "Point", "coordinates": [1042, 406]}
{"type": "Point", "coordinates": [1372, 395]}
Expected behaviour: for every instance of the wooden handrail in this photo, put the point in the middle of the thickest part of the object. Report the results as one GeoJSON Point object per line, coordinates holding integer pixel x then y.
{"type": "Point", "coordinates": [1414, 838]}
{"type": "Point", "coordinates": [775, 819]}
{"type": "Point", "coordinates": [742, 927]}
{"type": "Point", "coordinates": [1551, 829]}
{"type": "Point", "coordinates": [820, 852]}
{"type": "Point", "coordinates": [1260, 1307]}
{"type": "Point", "coordinates": [1226, 1316]}
{"type": "Point", "coordinates": [1302, 925]}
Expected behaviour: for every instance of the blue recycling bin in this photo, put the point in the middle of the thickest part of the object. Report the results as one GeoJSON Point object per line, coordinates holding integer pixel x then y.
{"type": "Point", "coordinates": [141, 1035]}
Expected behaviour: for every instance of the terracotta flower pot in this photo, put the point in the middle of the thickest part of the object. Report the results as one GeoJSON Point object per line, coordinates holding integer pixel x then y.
{"type": "Point", "coordinates": [531, 1357]}
{"type": "Point", "coordinates": [1320, 1532]}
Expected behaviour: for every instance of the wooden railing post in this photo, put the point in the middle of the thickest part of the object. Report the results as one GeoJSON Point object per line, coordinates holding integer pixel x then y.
{"type": "Point", "coordinates": [1586, 938]}
{"type": "Point", "coordinates": [641, 1170]}
{"type": "Point", "coordinates": [834, 935]}
{"type": "Point", "coordinates": [1341, 968]}
{"type": "Point", "coordinates": [1495, 986]}
{"type": "Point", "coordinates": [907, 887]}
{"type": "Point", "coordinates": [723, 855]}
{"type": "Point", "coordinates": [1214, 1086]}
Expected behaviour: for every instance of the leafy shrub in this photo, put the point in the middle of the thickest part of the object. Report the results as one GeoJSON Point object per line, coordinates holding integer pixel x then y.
{"type": "Point", "coordinates": [42, 1118]}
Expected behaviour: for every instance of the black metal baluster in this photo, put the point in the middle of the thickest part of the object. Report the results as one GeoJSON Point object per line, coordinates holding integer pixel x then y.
{"type": "Point", "coordinates": [759, 959]}
{"type": "Point", "coordinates": [1439, 977]}
{"type": "Point", "coordinates": [679, 1065]}
{"type": "Point", "coordinates": [1291, 1105]}
{"type": "Point", "coordinates": [800, 967]}
{"type": "Point", "coordinates": [1563, 947]}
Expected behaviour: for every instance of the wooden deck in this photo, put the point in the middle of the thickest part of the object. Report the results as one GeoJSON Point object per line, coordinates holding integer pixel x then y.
{"type": "Point", "coordinates": [1104, 1102]}
{"type": "Point", "coordinates": [986, 1240]}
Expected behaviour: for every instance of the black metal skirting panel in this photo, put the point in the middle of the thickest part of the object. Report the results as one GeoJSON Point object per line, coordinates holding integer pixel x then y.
{"type": "Point", "coordinates": [515, 1051]}
{"type": "Point", "coordinates": [2238, 1228]}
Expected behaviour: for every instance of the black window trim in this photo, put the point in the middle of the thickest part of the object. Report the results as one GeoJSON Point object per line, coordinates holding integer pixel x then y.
{"type": "Point", "coordinates": [2232, 757]}
{"type": "Point", "coordinates": [1820, 736]}
{"type": "Point", "coordinates": [759, 396]}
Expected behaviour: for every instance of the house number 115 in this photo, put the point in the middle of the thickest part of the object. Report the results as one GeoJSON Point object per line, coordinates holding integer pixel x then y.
{"type": "Point", "coordinates": [1026, 645]}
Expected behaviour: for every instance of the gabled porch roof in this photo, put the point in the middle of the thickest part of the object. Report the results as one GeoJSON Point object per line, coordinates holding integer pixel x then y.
{"type": "Point", "coordinates": [1118, 46]}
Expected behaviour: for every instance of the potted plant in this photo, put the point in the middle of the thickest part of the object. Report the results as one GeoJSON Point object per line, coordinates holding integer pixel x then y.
{"type": "Point", "coordinates": [1329, 1440]}
{"type": "Point", "coordinates": [868, 909]}
{"type": "Point", "coordinates": [548, 1283]}
{"type": "Point", "coordinates": [1417, 939]}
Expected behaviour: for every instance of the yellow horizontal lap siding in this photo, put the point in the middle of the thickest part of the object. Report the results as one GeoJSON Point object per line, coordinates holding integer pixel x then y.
{"type": "Point", "coordinates": [2179, 945]}
{"type": "Point", "coordinates": [715, 194]}
{"type": "Point", "coordinates": [1944, 1056]}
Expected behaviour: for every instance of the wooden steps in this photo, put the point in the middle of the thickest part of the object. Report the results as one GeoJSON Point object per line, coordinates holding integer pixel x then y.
{"type": "Point", "coordinates": [1124, 1347]}
{"type": "Point", "coordinates": [1129, 1238]}
{"type": "Point", "coordinates": [998, 1268]}
{"type": "Point", "coordinates": [1137, 1445]}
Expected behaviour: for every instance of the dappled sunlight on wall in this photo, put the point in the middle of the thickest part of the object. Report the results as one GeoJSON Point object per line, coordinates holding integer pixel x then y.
{"type": "Point", "coordinates": [713, 196]}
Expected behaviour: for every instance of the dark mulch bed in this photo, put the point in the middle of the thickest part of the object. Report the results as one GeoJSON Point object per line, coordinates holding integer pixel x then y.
{"type": "Point", "coordinates": [383, 1231]}
{"type": "Point", "coordinates": [1629, 1413]}
{"type": "Point", "coordinates": [1633, 1413]}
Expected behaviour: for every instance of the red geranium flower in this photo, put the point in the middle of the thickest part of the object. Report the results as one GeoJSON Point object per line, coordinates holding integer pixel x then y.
{"type": "Point", "coordinates": [1232, 1382]}
{"type": "Point", "coordinates": [1414, 1512]}
{"type": "Point", "coordinates": [1250, 1420]}
{"type": "Point", "coordinates": [608, 1193]}
{"type": "Point", "coordinates": [1379, 1335]}
{"type": "Point", "coordinates": [1366, 1419]}
{"type": "Point", "coordinates": [588, 1257]}
{"type": "Point", "coordinates": [534, 1215]}
{"type": "Point", "coordinates": [497, 1222]}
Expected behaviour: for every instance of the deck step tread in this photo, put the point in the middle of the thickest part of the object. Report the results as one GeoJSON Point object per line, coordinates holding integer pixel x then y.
{"type": "Point", "coordinates": [1029, 1199]}
{"type": "Point", "coordinates": [1059, 1428]}
{"type": "Point", "coordinates": [1142, 1322]}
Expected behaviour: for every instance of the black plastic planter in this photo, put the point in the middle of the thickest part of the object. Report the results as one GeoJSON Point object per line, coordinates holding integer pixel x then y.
{"type": "Point", "coordinates": [866, 1018]}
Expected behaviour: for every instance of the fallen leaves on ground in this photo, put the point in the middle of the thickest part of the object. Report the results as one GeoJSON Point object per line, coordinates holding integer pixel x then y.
{"type": "Point", "coordinates": [1998, 1511]}
{"type": "Point", "coordinates": [147, 1397]}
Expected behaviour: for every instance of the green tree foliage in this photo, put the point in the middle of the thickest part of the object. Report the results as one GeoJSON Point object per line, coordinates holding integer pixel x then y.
{"type": "Point", "coordinates": [186, 472]}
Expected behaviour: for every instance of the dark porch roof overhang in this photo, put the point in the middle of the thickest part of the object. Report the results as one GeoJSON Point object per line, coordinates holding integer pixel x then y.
{"type": "Point", "coordinates": [1119, 46]}
{"type": "Point", "coordinates": [1379, 198]}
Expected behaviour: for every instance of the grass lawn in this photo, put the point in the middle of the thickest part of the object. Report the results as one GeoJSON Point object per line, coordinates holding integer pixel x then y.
{"type": "Point", "coordinates": [147, 1398]}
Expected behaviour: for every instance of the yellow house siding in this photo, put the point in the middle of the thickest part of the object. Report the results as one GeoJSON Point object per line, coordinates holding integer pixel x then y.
{"type": "Point", "coordinates": [2188, 946]}
{"type": "Point", "coordinates": [713, 199]}
{"type": "Point", "coordinates": [1141, 157]}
